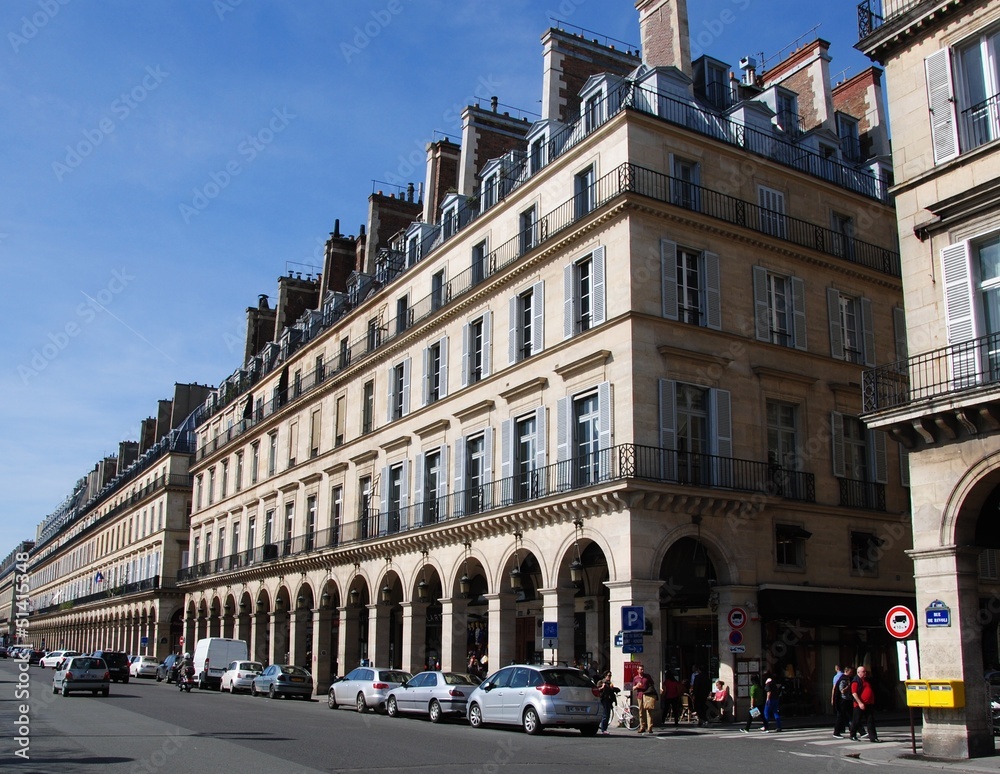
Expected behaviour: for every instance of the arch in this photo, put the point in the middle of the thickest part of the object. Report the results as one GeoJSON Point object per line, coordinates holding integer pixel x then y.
{"type": "Point", "coordinates": [726, 567]}
{"type": "Point", "coordinates": [961, 511]}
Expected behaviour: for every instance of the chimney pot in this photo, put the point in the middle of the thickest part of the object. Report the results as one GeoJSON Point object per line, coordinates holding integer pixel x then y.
{"type": "Point", "coordinates": [493, 103]}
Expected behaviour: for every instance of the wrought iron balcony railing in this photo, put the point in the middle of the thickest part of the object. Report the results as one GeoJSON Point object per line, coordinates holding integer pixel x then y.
{"type": "Point", "coordinates": [625, 461]}
{"type": "Point", "coordinates": [951, 370]}
{"type": "Point", "coordinates": [862, 494]}
{"type": "Point", "coordinates": [872, 14]}
{"type": "Point", "coordinates": [980, 123]}
{"type": "Point", "coordinates": [122, 590]}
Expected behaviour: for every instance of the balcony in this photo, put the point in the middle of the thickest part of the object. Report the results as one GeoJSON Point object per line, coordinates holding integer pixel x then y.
{"type": "Point", "coordinates": [980, 123]}
{"type": "Point", "coordinates": [866, 495]}
{"type": "Point", "coordinates": [618, 463]}
{"type": "Point", "coordinates": [872, 14]}
{"type": "Point", "coordinates": [117, 592]}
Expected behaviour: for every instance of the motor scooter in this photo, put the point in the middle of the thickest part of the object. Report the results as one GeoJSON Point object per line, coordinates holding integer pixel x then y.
{"type": "Point", "coordinates": [185, 678]}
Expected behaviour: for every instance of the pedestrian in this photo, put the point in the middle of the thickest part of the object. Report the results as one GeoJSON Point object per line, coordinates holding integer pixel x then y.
{"type": "Point", "coordinates": [864, 706]}
{"type": "Point", "coordinates": [835, 691]}
{"type": "Point", "coordinates": [671, 693]}
{"type": "Point", "coordinates": [756, 705]}
{"type": "Point", "coordinates": [645, 697]}
{"type": "Point", "coordinates": [772, 702]}
{"type": "Point", "coordinates": [701, 687]}
{"type": "Point", "coordinates": [608, 696]}
{"type": "Point", "coordinates": [844, 701]}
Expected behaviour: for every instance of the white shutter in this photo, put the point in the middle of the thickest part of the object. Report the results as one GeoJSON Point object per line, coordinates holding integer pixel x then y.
{"type": "Point", "coordinates": [867, 330]}
{"type": "Point", "coordinates": [837, 439]}
{"type": "Point", "coordinates": [564, 409]}
{"type": "Point", "coordinates": [941, 102]}
{"type": "Point", "coordinates": [404, 497]}
{"type": "Point", "coordinates": [798, 311]}
{"type": "Point", "coordinates": [443, 476]}
{"type": "Point", "coordinates": [569, 300]}
{"type": "Point", "coordinates": [487, 339]}
{"type": "Point", "coordinates": [418, 485]}
{"type": "Point", "coordinates": [879, 464]}
{"type": "Point", "coordinates": [598, 292]}
{"type": "Point", "coordinates": [512, 330]}
{"type": "Point", "coordinates": [541, 446]}
{"type": "Point", "coordinates": [960, 311]}
{"type": "Point", "coordinates": [383, 511]}
{"type": "Point", "coordinates": [390, 394]}
{"type": "Point", "coordinates": [537, 317]}
{"type": "Point", "coordinates": [762, 311]}
{"type": "Point", "coordinates": [899, 330]}
{"type": "Point", "coordinates": [459, 499]}
{"type": "Point", "coordinates": [668, 278]}
{"type": "Point", "coordinates": [426, 381]}
{"type": "Point", "coordinates": [406, 387]}
{"type": "Point", "coordinates": [668, 428]}
{"type": "Point", "coordinates": [836, 330]}
{"type": "Point", "coordinates": [605, 416]}
{"type": "Point", "coordinates": [488, 456]}
{"type": "Point", "coordinates": [465, 355]}
{"type": "Point", "coordinates": [506, 460]}
{"type": "Point", "coordinates": [443, 389]}
{"type": "Point", "coordinates": [713, 303]}
{"type": "Point", "coordinates": [904, 467]}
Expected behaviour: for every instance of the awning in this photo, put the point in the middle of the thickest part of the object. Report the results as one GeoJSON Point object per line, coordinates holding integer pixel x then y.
{"type": "Point", "coordinates": [822, 607]}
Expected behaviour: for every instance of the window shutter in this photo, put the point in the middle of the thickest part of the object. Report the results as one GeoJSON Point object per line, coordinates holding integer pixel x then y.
{"type": "Point", "coordinates": [598, 293]}
{"type": "Point", "coordinates": [465, 355]}
{"type": "Point", "coordinates": [443, 390]}
{"type": "Point", "coordinates": [713, 304]}
{"type": "Point", "coordinates": [404, 496]}
{"type": "Point", "coordinates": [569, 300]}
{"type": "Point", "coordinates": [836, 331]}
{"type": "Point", "coordinates": [668, 428]}
{"type": "Point", "coordinates": [722, 413]}
{"type": "Point", "coordinates": [487, 339]}
{"type": "Point", "coordinates": [418, 485]}
{"type": "Point", "coordinates": [899, 329]}
{"type": "Point", "coordinates": [426, 381]}
{"type": "Point", "coordinates": [798, 311]}
{"type": "Point", "coordinates": [537, 317]}
{"type": "Point", "coordinates": [541, 444]}
{"type": "Point", "coordinates": [868, 330]}
{"type": "Point", "coordinates": [959, 309]}
{"type": "Point", "coordinates": [488, 455]}
{"type": "Point", "coordinates": [390, 394]}
{"type": "Point", "coordinates": [383, 511]}
{"type": "Point", "coordinates": [406, 387]}
{"type": "Point", "coordinates": [988, 563]}
{"type": "Point", "coordinates": [879, 464]}
{"type": "Point", "coordinates": [564, 408]}
{"type": "Point", "coordinates": [605, 413]}
{"type": "Point", "coordinates": [668, 278]}
{"type": "Point", "coordinates": [512, 330]}
{"type": "Point", "coordinates": [506, 450]}
{"type": "Point", "coordinates": [458, 499]}
{"type": "Point", "coordinates": [941, 102]}
{"type": "Point", "coordinates": [443, 477]}
{"type": "Point", "coordinates": [837, 439]}
{"type": "Point", "coordinates": [904, 467]}
{"type": "Point", "coordinates": [762, 312]}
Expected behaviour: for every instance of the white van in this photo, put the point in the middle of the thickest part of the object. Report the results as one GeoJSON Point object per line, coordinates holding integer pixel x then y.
{"type": "Point", "coordinates": [211, 657]}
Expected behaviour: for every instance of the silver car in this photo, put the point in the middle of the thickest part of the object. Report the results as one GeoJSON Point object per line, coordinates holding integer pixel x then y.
{"type": "Point", "coordinates": [365, 688]}
{"type": "Point", "coordinates": [82, 673]}
{"type": "Point", "coordinates": [434, 694]}
{"type": "Point", "coordinates": [535, 697]}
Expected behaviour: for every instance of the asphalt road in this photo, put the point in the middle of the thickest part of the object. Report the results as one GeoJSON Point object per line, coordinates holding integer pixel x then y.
{"type": "Point", "coordinates": [147, 726]}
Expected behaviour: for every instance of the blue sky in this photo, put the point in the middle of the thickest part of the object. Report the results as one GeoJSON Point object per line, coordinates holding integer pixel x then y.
{"type": "Point", "coordinates": [163, 162]}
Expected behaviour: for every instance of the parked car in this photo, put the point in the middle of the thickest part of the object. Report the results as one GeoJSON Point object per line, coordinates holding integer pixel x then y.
{"type": "Point", "coordinates": [211, 657]}
{"type": "Point", "coordinates": [117, 662]}
{"type": "Point", "coordinates": [434, 694]}
{"type": "Point", "coordinates": [282, 680]}
{"type": "Point", "coordinates": [143, 666]}
{"type": "Point", "coordinates": [3, 652]}
{"type": "Point", "coordinates": [82, 673]}
{"type": "Point", "coordinates": [167, 670]}
{"type": "Point", "coordinates": [239, 675]}
{"type": "Point", "coordinates": [51, 659]}
{"type": "Point", "coordinates": [536, 696]}
{"type": "Point", "coordinates": [365, 687]}
{"type": "Point", "coordinates": [35, 657]}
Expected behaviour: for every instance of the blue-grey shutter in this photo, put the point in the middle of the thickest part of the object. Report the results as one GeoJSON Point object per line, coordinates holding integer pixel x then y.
{"type": "Point", "coordinates": [506, 460]}
{"type": "Point", "coordinates": [443, 480]}
{"type": "Point", "coordinates": [426, 381]}
{"type": "Point", "coordinates": [879, 462]}
{"type": "Point", "coordinates": [458, 492]}
{"type": "Point", "coordinates": [383, 511]}
{"type": "Point", "coordinates": [418, 488]}
{"type": "Point", "coordinates": [762, 311]}
{"type": "Point", "coordinates": [605, 418]}
{"type": "Point", "coordinates": [713, 300]}
{"type": "Point", "coordinates": [390, 393]}
{"type": "Point", "coordinates": [798, 312]}
{"type": "Point", "coordinates": [564, 410]}
{"type": "Point", "coordinates": [404, 497]}
{"type": "Point", "coordinates": [867, 330]}
{"type": "Point", "coordinates": [537, 317]}
{"type": "Point", "coordinates": [443, 392]}
{"type": "Point", "coordinates": [569, 300]}
{"type": "Point", "coordinates": [541, 441]}
{"type": "Point", "coordinates": [489, 498]}
{"type": "Point", "coordinates": [668, 278]}
{"type": "Point", "coordinates": [487, 342]}
{"type": "Point", "coordinates": [941, 101]}
{"type": "Point", "coordinates": [599, 293]}
{"type": "Point", "coordinates": [836, 330]}
{"type": "Point", "coordinates": [512, 328]}
{"type": "Point", "coordinates": [406, 387]}
{"type": "Point", "coordinates": [465, 355]}
{"type": "Point", "coordinates": [960, 311]}
{"type": "Point", "coordinates": [837, 439]}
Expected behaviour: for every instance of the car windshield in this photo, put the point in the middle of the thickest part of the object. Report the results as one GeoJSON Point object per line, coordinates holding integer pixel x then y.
{"type": "Point", "coordinates": [294, 670]}
{"type": "Point", "coordinates": [394, 677]}
{"type": "Point", "coordinates": [453, 678]}
{"type": "Point", "coordinates": [568, 678]}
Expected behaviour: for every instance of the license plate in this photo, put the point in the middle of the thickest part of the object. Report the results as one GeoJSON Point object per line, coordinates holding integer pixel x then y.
{"type": "Point", "coordinates": [298, 679]}
{"type": "Point", "coordinates": [573, 709]}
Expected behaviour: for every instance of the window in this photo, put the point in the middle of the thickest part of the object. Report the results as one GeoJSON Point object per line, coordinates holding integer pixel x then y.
{"type": "Point", "coordinates": [254, 461]}
{"type": "Point", "coordinates": [436, 371]}
{"type": "Point", "coordinates": [365, 507]}
{"type": "Point", "coordinates": [584, 302]}
{"type": "Point", "coordinates": [479, 263]}
{"type": "Point", "coordinates": [852, 335]}
{"type": "Point", "coordinates": [696, 432]}
{"type": "Point", "coordinates": [787, 112]}
{"type": "Point", "coordinates": [293, 443]}
{"type": "Point", "coordinates": [690, 285]}
{"type": "Point", "coordinates": [592, 113]}
{"type": "Point", "coordinates": [208, 546]}
{"type": "Point", "coordinates": [527, 314]}
{"type": "Point", "coordinates": [430, 485]}
{"type": "Point", "coordinates": [717, 86]}
{"type": "Point", "coordinates": [372, 335]}
{"type": "Point", "coordinates": [583, 192]}
{"type": "Point", "coordinates": [235, 548]}
{"type": "Point", "coordinates": [583, 437]}
{"type": "Point", "coordinates": [394, 499]}
{"type": "Point", "coordinates": [224, 479]}
{"type": "Point", "coordinates": [790, 546]}
{"type": "Point", "coordinates": [971, 271]}
{"type": "Point", "coordinates": [783, 449]}
{"type": "Point", "coordinates": [412, 245]}
{"type": "Point", "coordinates": [866, 549]}
{"type": "Point", "coordinates": [528, 229]}
{"type": "Point", "coordinates": [437, 290]}
{"type": "Point", "coordinates": [289, 525]}
{"type": "Point", "coordinates": [320, 369]}
{"type": "Point", "coordinates": [859, 461]}
{"type": "Point", "coordinates": [476, 349]}
{"type": "Point", "coordinates": [399, 390]}
{"type": "Point", "coordinates": [195, 552]}
{"type": "Point", "coordinates": [238, 483]}
{"type": "Point", "coordinates": [368, 407]}
{"type": "Point", "coordinates": [336, 513]}
{"type": "Point", "coordinates": [297, 383]}
{"type": "Point", "coordinates": [843, 236]}
{"type": "Point", "coordinates": [211, 485]}
{"type": "Point", "coordinates": [473, 472]}
{"type": "Point", "coordinates": [315, 432]}
{"type": "Point", "coordinates": [489, 197]}
{"type": "Point", "coordinates": [344, 356]}
{"type": "Point", "coordinates": [310, 537]}
{"type": "Point", "coordinates": [269, 526]}
{"type": "Point", "coordinates": [771, 211]}
{"type": "Point", "coordinates": [850, 142]}
{"type": "Point", "coordinates": [402, 314]}
{"type": "Point", "coordinates": [780, 308]}
{"type": "Point", "coordinates": [989, 567]}
{"type": "Point", "coordinates": [522, 448]}
{"type": "Point", "coordinates": [684, 190]}
{"type": "Point", "coordinates": [536, 155]}
{"type": "Point", "coordinates": [198, 486]}
{"type": "Point", "coordinates": [340, 420]}
{"type": "Point", "coordinates": [979, 87]}
{"type": "Point", "coordinates": [220, 551]}
{"type": "Point", "coordinates": [272, 453]}
{"type": "Point", "coordinates": [449, 222]}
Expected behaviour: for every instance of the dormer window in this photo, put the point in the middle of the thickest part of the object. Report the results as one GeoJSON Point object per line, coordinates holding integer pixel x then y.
{"type": "Point", "coordinates": [592, 112]}
{"type": "Point", "coordinates": [787, 112]}
{"type": "Point", "coordinates": [536, 158]}
{"type": "Point", "coordinates": [449, 222]}
{"type": "Point", "coordinates": [412, 250]}
{"type": "Point", "coordinates": [850, 143]}
{"type": "Point", "coordinates": [489, 192]}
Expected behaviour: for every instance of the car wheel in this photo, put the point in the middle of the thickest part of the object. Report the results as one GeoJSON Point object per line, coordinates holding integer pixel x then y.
{"type": "Point", "coordinates": [391, 708]}
{"type": "Point", "coordinates": [253, 688]}
{"type": "Point", "coordinates": [124, 681]}
{"type": "Point", "coordinates": [106, 692]}
{"type": "Point", "coordinates": [475, 716]}
{"type": "Point", "coordinates": [158, 678]}
{"type": "Point", "coordinates": [590, 730]}
{"type": "Point", "coordinates": [434, 711]}
{"type": "Point", "coordinates": [65, 690]}
{"type": "Point", "coordinates": [361, 704]}
{"type": "Point", "coordinates": [94, 692]}
{"type": "Point", "coordinates": [54, 689]}
{"type": "Point", "coordinates": [530, 721]}
{"type": "Point", "coordinates": [331, 700]}
{"type": "Point", "coordinates": [270, 692]}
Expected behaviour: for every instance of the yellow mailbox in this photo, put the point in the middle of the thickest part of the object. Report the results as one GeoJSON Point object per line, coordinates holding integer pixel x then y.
{"type": "Point", "coordinates": [918, 693]}
{"type": "Point", "coordinates": [946, 693]}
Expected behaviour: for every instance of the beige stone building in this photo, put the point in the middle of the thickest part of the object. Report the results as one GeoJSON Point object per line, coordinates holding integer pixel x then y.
{"type": "Point", "coordinates": [611, 359]}
{"type": "Point", "coordinates": [943, 402]}
{"type": "Point", "coordinates": [103, 571]}
{"type": "Point", "coordinates": [12, 592]}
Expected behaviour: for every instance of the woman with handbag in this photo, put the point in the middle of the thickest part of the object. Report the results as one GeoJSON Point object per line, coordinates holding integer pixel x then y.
{"type": "Point", "coordinates": [644, 691]}
{"type": "Point", "coordinates": [756, 705]}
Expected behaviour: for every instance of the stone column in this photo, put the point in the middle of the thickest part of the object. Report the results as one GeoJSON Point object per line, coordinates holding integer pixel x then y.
{"type": "Point", "coordinates": [637, 593]}
{"type": "Point", "coordinates": [454, 633]}
{"type": "Point", "coordinates": [414, 655]}
{"type": "Point", "coordinates": [501, 629]}
{"type": "Point", "coordinates": [298, 643]}
{"type": "Point", "coordinates": [349, 646]}
{"type": "Point", "coordinates": [323, 649]}
{"type": "Point", "coordinates": [378, 634]}
{"type": "Point", "coordinates": [558, 605]}
{"type": "Point", "coordinates": [745, 598]}
{"type": "Point", "coordinates": [259, 623]}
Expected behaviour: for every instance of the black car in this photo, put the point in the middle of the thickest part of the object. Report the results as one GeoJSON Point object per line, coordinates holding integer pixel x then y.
{"type": "Point", "coordinates": [117, 662]}
{"type": "Point", "coordinates": [34, 656]}
{"type": "Point", "coordinates": [167, 670]}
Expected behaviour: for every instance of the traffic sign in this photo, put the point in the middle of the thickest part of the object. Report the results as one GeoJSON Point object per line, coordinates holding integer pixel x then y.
{"type": "Point", "coordinates": [619, 640]}
{"type": "Point", "coordinates": [737, 617]}
{"type": "Point", "coordinates": [180, 640]}
{"type": "Point", "coordinates": [900, 622]}
{"type": "Point", "coordinates": [735, 638]}
{"type": "Point", "coordinates": [938, 614]}
{"type": "Point", "coordinates": [737, 649]}
{"type": "Point", "coordinates": [632, 638]}
{"type": "Point", "coordinates": [633, 619]}
{"type": "Point", "coordinates": [550, 629]}
{"type": "Point", "coordinates": [631, 648]}
{"type": "Point", "coordinates": [144, 641]}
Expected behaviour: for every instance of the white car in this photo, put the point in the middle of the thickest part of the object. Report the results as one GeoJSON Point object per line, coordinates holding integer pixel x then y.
{"type": "Point", "coordinates": [239, 675]}
{"type": "Point", "coordinates": [51, 660]}
{"type": "Point", "coordinates": [143, 666]}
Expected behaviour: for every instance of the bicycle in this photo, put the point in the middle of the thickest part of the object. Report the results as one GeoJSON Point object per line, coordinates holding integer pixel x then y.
{"type": "Point", "coordinates": [626, 716]}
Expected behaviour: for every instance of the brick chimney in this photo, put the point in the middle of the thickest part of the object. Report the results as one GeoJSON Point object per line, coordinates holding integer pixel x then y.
{"type": "Point", "coordinates": [663, 29]}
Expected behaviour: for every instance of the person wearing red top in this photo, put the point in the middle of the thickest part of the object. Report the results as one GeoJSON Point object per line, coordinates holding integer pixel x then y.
{"type": "Point", "coordinates": [671, 693]}
{"type": "Point", "coordinates": [864, 706]}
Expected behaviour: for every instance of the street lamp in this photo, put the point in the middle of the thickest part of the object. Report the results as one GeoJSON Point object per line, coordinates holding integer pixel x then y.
{"type": "Point", "coordinates": [576, 566]}
{"type": "Point", "coordinates": [515, 573]}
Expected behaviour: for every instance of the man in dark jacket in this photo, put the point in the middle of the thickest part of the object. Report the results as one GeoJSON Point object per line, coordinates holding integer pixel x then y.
{"type": "Point", "coordinates": [700, 689]}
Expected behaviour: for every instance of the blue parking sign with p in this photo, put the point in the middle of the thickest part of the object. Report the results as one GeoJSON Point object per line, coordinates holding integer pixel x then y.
{"type": "Point", "coordinates": [633, 619]}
